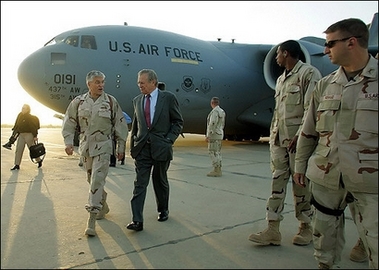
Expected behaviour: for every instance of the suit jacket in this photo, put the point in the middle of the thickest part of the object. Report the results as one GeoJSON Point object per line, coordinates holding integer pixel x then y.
{"type": "Point", "coordinates": [166, 126]}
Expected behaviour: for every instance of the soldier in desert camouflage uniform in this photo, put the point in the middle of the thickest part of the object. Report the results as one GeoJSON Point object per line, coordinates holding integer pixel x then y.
{"type": "Point", "coordinates": [98, 115]}
{"type": "Point", "coordinates": [292, 94]}
{"type": "Point", "coordinates": [338, 146]}
{"type": "Point", "coordinates": [214, 136]}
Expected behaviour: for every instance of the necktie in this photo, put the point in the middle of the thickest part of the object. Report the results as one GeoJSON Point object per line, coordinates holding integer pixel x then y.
{"type": "Point", "coordinates": [147, 111]}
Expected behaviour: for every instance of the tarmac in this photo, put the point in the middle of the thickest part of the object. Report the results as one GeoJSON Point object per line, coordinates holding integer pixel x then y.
{"type": "Point", "coordinates": [43, 216]}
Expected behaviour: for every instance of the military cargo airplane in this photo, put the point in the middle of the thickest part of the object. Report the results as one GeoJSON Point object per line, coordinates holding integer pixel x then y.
{"type": "Point", "coordinates": [243, 76]}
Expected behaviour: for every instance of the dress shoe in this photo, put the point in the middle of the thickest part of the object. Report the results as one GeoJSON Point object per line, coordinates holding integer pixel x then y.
{"type": "Point", "coordinates": [39, 164]}
{"type": "Point", "coordinates": [135, 226]}
{"type": "Point", "coordinates": [8, 146]}
{"type": "Point", "coordinates": [112, 165]}
{"type": "Point", "coordinates": [16, 167]}
{"type": "Point", "coordinates": [163, 216]}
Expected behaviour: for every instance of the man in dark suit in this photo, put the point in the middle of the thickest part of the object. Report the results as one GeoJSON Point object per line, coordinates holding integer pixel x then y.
{"type": "Point", "coordinates": [155, 128]}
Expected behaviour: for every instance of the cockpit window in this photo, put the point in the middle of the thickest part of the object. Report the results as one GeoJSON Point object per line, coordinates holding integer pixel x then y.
{"type": "Point", "coordinates": [72, 40]}
{"type": "Point", "coordinates": [55, 40]}
{"type": "Point", "coordinates": [88, 42]}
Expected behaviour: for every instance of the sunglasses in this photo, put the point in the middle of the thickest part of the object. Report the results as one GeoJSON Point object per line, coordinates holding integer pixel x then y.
{"type": "Point", "coordinates": [331, 43]}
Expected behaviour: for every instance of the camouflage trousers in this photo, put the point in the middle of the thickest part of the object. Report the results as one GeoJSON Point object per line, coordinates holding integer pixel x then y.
{"type": "Point", "coordinates": [97, 170]}
{"type": "Point", "coordinates": [329, 230]}
{"type": "Point", "coordinates": [282, 166]}
{"type": "Point", "coordinates": [214, 150]}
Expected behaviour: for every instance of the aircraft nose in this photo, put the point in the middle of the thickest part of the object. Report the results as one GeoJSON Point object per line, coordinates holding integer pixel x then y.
{"type": "Point", "coordinates": [30, 75]}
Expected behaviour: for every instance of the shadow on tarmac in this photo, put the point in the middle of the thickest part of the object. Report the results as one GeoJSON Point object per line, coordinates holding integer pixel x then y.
{"type": "Point", "coordinates": [43, 217]}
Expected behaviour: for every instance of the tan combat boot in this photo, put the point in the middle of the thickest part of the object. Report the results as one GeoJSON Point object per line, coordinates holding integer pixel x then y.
{"type": "Point", "coordinates": [358, 253]}
{"type": "Point", "coordinates": [105, 209]}
{"type": "Point", "coordinates": [270, 236]}
{"type": "Point", "coordinates": [91, 225]}
{"type": "Point", "coordinates": [304, 236]}
{"type": "Point", "coordinates": [211, 173]}
{"type": "Point", "coordinates": [216, 172]}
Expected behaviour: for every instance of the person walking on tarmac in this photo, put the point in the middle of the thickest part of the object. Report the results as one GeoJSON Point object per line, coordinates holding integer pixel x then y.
{"type": "Point", "coordinates": [25, 131]}
{"type": "Point", "coordinates": [157, 123]}
{"type": "Point", "coordinates": [215, 135]}
{"type": "Point", "coordinates": [97, 114]}
{"type": "Point", "coordinates": [292, 94]}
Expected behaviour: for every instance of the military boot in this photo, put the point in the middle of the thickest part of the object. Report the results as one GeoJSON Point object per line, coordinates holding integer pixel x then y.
{"type": "Point", "coordinates": [358, 253]}
{"type": "Point", "coordinates": [105, 209]}
{"type": "Point", "coordinates": [304, 236]}
{"type": "Point", "coordinates": [270, 236]}
{"type": "Point", "coordinates": [216, 172]}
{"type": "Point", "coordinates": [212, 173]}
{"type": "Point", "coordinates": [91, 225]}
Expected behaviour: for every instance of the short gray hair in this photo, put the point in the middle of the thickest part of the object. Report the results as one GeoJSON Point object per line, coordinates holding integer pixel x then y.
{"type": "Point", "coordinates": [151, 75]}
{"type": "Point", "coordinates": [92, 74]}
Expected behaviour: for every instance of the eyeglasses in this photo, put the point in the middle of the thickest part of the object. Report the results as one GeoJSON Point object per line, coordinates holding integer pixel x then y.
{"type": "Point", "coordinates": [331, 43]}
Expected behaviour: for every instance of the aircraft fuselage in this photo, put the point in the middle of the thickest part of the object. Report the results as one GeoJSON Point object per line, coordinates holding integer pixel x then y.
{"type": "Point", "coordinates": [241, 75]}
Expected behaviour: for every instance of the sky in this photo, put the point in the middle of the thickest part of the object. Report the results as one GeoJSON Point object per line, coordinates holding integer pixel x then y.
{"type": "Point", "coordinates": [27, 26]}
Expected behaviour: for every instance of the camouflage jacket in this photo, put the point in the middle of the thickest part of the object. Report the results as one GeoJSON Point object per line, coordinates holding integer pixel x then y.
{"type": "Point", "coordinates": [292, 95]}
{"type": "Point", "coordinates": [216, 123]}
{"type": "Point", "coordinates": [97, 123]}
{"type": "Point", "coordinates": [340, 132]}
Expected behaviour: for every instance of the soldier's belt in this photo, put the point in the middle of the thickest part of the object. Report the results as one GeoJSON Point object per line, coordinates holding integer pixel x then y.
{"type": "Point", "coordinates": [326, 210]}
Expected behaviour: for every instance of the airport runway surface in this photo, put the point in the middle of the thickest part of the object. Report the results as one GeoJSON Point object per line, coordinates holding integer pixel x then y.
{"type": "Point", "coordinates": [43, 217]}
